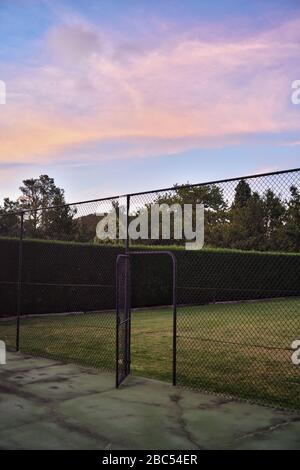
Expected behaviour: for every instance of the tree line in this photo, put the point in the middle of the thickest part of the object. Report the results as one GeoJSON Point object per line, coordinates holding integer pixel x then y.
{"type": "Point", "coordinates": [241, 219]}
{"type": "Point", "coordinates": [247, 219]}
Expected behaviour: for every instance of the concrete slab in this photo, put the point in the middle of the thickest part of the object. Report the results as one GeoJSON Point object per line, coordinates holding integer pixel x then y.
{"type": "Point", "coordinates": [16, 411]}
{"type": "Point", "coordinates": [50, 405]}
{"type": "Point", "coordinates": [51, 436]}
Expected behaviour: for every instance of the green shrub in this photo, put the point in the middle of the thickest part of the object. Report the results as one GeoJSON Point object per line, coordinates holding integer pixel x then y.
{"type": "Point", "coordinates": [66, 277]}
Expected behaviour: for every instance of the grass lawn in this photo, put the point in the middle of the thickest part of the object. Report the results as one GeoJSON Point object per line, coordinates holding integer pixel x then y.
{"type": "Point", "coordinates": [239, 349]}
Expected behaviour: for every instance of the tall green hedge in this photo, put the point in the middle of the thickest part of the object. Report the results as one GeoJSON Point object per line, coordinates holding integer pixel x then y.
{"type": "Point", "coordinates": [66, 277]}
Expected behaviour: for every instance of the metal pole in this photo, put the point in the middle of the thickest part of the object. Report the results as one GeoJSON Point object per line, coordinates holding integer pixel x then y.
{"type": "Point", "coordinates": [117, 322]}
{"type": "Point", "coordinates": [127, 316]}
{"type": "Point", "coordinates": [127, 223]}
{"type": "Point", "coordinates": [19, 291]}
{"type": "Point", "coordinates": [128, 290]}
{"type": "Point", "coordinates": [125, 323]}
{"type": "Point", "coordinates": [174, 321]}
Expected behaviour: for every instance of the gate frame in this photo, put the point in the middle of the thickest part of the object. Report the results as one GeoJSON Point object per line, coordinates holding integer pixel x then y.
{"type": "Point", "coordinates": [118, 323]}
{"type": "Point", "coordinates": [174, 302]}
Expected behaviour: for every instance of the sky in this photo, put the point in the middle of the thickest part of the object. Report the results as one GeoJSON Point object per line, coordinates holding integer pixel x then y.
{"type": "Point", "coordinates": [130, 95]}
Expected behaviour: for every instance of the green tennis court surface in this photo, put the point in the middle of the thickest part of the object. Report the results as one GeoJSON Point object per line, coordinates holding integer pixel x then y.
{"type": "Point", "coordinates": [46, 404]}
{"type": "Point", "coordinates": [241, 349]}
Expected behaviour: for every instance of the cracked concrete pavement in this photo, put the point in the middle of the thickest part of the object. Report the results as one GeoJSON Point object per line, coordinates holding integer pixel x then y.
{"type": "Point", "coordinates": [45, 404]}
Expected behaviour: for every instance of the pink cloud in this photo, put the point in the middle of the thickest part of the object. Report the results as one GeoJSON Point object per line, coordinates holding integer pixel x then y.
{"type": "Point", "coordinates": [183, 93]}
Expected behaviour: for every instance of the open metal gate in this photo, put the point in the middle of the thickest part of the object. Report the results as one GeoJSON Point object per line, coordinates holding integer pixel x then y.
{"type": "Point", "coordinates": [123, 319]}
{"type": "Point", "coordinates": [123, 311]}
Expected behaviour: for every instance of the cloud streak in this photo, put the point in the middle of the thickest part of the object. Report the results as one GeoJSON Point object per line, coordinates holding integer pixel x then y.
{"type": "Point", "coordinates": [87, 88]}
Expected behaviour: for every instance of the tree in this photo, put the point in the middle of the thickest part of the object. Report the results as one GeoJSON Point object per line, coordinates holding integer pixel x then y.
{"type": "Point", "coordinates": [9, 219]}
{"type": "Point", "coordinates": [292, 220]}
{"type": "Point", "coordinates": [246, 219]}
{"type": "Point", "coordinates": [47, 215]}
{"type": "Point", "coordinates": [85, 227]}
{"type": "Point", "coordinates": [215, 214]}
{"type": "Point", "coordinates": [274, 212]}
{"type": "Point", "coordinates": [242, 194]}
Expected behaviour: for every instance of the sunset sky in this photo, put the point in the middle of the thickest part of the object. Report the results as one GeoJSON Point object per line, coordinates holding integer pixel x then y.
{"type": "Point", "coordinates": [118, 96]}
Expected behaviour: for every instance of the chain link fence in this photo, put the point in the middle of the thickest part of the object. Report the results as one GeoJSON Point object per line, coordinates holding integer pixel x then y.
{"type": "Point", "coordinates": [238, 298]}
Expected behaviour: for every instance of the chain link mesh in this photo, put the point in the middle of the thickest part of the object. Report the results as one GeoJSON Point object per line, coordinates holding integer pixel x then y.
{"type": "Point", "coordinates": [9, 226]}
{"type": "Point", "coordinates": [123, 318]}
{"type": "Point", "coordinates": [238, 298]}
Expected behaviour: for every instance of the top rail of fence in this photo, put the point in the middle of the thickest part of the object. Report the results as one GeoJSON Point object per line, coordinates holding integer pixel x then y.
{"type": "Point", "coordinates": [152, 191]}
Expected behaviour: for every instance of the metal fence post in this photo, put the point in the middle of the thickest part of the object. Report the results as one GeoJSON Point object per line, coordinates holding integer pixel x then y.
{"type": "Point", "coordinates": [127, 223]}
{"type": "Point", "coordinates": [128, 285]}
{"type": "Point", "coordinates": [19, 291]}
{"type": "Point", "coordinates": [174, 369]}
